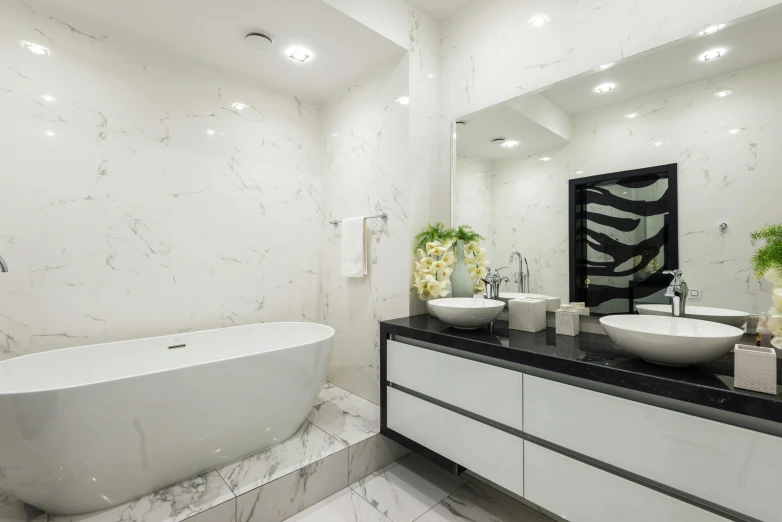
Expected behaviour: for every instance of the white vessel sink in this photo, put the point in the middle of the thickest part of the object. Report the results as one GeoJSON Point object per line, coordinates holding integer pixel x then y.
{"type": "Point", "coordinates": [670, 340]}
{"type": "Point", "coordinates": [507, 296]}
{"type": "Point", "coordinates": [704, 313]}
{"type": "Point", "coordinates": [465, 312]}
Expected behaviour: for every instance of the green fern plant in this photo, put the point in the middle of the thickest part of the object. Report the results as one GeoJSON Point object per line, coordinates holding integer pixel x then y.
{"type": "Point", "coordinates": [436, 232]}
{"type": "Point", "coordinates": [768, 257]}
{"type": "Point", "coordinates": [467, 234]}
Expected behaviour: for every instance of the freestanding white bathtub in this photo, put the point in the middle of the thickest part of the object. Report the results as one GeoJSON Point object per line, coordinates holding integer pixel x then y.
{"type": "Point", "coordinates": [87, 428]}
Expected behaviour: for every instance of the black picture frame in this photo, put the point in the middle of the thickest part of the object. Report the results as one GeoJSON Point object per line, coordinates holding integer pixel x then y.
{"type": "Point", "coordinates": [669, 171]}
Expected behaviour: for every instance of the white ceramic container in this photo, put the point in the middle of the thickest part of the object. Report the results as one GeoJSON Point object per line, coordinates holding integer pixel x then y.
{"type": "Point", "coordinates": [703, 313]}
{"type": "Point", "coordinates": [465, 312]}
{"type": "Point", "coordinates": [671, 340]}
{"type": "Point", "coordinates": [87, 428]}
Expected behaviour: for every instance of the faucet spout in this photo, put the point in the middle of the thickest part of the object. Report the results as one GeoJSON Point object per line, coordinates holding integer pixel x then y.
{"type": "Point", "coordinates": [677, 293]}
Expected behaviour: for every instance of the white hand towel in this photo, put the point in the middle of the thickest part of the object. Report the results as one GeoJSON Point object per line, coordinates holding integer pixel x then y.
{"type": "Point", "coordinates": [354, 251]}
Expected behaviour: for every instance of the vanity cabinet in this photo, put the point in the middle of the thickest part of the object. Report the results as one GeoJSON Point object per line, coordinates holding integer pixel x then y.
{"type": "Point", "coordinates": [584, 455]}
{"type": "Point", "coordinates": [734, 467]}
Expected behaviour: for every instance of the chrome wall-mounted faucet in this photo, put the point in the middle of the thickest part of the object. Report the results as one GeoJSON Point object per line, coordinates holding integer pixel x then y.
{"type": "Point", "coordinates": [521, 278]}
{"type": "Point", "coordinates": [677, 293]}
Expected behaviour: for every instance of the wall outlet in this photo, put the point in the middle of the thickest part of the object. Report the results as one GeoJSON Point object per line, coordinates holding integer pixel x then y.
{"type": "Point", "coordinates": [695, 294]}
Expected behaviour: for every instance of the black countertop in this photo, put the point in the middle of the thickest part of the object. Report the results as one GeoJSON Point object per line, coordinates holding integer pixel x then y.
{"type": "Point", "coordinates": [595, 357]}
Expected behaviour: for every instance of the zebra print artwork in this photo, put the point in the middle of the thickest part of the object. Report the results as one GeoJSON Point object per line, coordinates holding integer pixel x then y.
{"type": "Point", "coordinates": [623, 230]}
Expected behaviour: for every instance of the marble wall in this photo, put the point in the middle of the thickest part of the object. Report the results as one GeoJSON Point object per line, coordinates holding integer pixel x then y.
{"type": "Point", "coordinates": [724, 176]}
{"type": "Point", "coordinates": [139, 201]}
{"type": "Point", "coordinates": [365, 169]}
{"type": "Point", "coordinates": [393, 172]}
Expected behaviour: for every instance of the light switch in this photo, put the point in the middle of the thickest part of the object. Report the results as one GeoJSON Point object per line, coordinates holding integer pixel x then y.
{"type": "Point", "coordinates": [695, 294]}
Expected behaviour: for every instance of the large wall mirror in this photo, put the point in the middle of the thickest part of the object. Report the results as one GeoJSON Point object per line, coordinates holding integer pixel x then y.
{"type": "Point", "coordinates": [666, 160]}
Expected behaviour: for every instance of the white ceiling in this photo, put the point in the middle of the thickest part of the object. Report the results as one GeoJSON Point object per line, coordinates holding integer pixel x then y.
{"type": "Point", "coordinates": [212, 32]}
{"type": "Point", "coordinates": [747, 43]}
{"type": "Point", "coordinates": [475, 138]}
{"type": "Point", "coordinates": [440, 10]}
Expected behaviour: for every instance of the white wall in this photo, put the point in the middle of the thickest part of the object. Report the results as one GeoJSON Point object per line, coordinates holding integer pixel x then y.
{"type": "Point", "coordinates": [355, 308]}
{"type": "Point", "coordinates": [365, 173]}
{"type": "Point", "coordinates": [131, 220]}
{"type": "Point", "coordinates": [723, 177]}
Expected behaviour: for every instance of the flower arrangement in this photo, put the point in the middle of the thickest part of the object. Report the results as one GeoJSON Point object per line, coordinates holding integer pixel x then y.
{"type": "Point", "coordinates": [767, 262]}
{"type": "Point", "coordinates": [436, 257]}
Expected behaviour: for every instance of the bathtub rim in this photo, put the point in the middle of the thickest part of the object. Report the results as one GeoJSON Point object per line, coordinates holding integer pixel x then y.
{"type": "Point", "coordinates": [330, 330]}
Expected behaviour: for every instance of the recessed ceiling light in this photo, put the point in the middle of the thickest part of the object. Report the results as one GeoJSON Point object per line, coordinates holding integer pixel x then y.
{"type": "Point", "coordinates": [36, 49]}
{"type": "Point", "coordinates": [605, 66]}
{"type": "Point", "coordinates": [431, 75]}
{"type": "Point", "coordinates": [658, 144]}
{"type": "Point", "coordinates": [631, 115]}
{"type": "Point", "coordinates": [48, 98]}
{"type": "Point", "coordinates": [211, 132]}
{"type": "Point", "coordinates": [545, 158]}
{"type": "Point", "coordinates": [49, 133]}
{"type": "Point", "coordinates": [722, 94]}
{"type": "Point", "coordinates": [403, 100]}
{"type": "Point", "coordinates": [710, 29]}
{"type": "Point", "coordinates": [454, 135]}
{"type": "Point", "coordinates": [510, 144]}
{"type": "Point", "coordinates": [300, 55]}
{"type": "Point", "coordinates": [712, 55]}
{"type": "Point", "coordinates": [735, 131]}
{"type": "Point", "coordinates": [604, 88]}
{"type": "Point", "coordinates": [539, 20]}
{"type": "Point", "coordinates": [579, 172]}
{"type": "Point", "coordinates": [239, 106]}
{"type": "Point", "coordinates": [335, 134]}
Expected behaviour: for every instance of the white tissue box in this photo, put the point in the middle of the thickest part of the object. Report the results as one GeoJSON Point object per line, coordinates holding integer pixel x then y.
{"type": "Point", "coordinates": [580, 308]}
{"type": "Point", "coordinates": [755, 368]}
{"type": "Point", "coordinates": [567, 322]}
{"type": "Point", "coordinates": [527, 315]}
{"type": "Point", "coordinates": [552, 303]}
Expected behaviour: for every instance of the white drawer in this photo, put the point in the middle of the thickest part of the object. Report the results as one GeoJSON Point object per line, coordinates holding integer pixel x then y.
{"type": "Point", "coordinates": [489, 452]}
{"type": "Point", "coordinates": [733, 467]}
{"type": "Point", "coordinates": [489, 391]}
{"type": "Point", "coordinates": [581, 493]}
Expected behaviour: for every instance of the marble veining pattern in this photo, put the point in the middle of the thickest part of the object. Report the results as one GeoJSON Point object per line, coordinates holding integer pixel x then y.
{"type": "Point", "coordinates": [172, 504]}
{"type": "Point", "coordinates": [329, 392]}
{"type": "Point", "coordinates": [343, 506]}
{"type": "Point", "coordinates": [6, 498]}
{"type": "Point", "coordinates": [349, 419]}
{"type": "Point", "coordinates": [406, 489]}
{"type": "Point", "coordinates": [309, 444]}
{"type": "Point", "coordinates": [477, 502]}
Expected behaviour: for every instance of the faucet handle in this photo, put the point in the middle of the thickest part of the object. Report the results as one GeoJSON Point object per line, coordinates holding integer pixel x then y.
{"type": "Point", "coordinates": [677, 275]}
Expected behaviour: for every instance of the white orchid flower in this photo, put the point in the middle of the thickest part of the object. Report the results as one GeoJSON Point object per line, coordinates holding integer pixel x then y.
{"type": "Point", "coordinates": [482, 272]}
{"type": "Point", "coordinates": [484, 263]}
{"type": "Point", "coordinates": [441, 290]}
{"type": "Point", "coordinates": [480, 286]}
{"type": "Point", "coordinates": [445, 274]}
{"type": "Point", "coordinates": [472, 248]}
{"type": "Point", "coordinates": [432, 246]}
{"type": "Point", "coordinates": [427, 262]}
{"type": "Point", "coordinates": [449, 258]}
{"type": "Point", "coordinates": [421, 254]}
{"type": "Point", "coordinates": [448, 245]}
{"type": "Point", "coordinates": [473, 274]}
{"type": "Point", "coordinates": [438, 266]}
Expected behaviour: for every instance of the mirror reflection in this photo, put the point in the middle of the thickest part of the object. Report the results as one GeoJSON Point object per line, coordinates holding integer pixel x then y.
{"type": "Point", "coordinates": [599, 188]}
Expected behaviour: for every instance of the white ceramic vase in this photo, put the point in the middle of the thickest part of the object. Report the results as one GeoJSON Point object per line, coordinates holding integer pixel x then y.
{"type": "Point", "coordinates": [461, 282]}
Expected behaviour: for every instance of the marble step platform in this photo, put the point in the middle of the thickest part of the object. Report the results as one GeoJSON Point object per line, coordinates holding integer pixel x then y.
{"type": "Point", "coordinates": [338, 445]}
